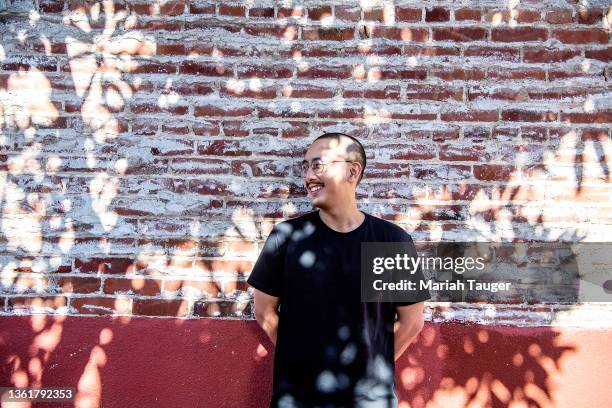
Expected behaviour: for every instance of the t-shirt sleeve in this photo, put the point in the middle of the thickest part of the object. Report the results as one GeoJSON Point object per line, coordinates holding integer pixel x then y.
{"type": "Point", "coordinates": [267, 274]}
{"type": "Point", "coordinates": [420, 295]}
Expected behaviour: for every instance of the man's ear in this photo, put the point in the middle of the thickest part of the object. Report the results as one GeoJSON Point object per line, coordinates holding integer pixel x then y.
{"type": "Point", "coordinates": [354, 172]}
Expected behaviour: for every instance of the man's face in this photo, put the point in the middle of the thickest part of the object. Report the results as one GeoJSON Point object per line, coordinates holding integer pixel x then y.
{"type": "Point", "coordinates": [332, 187]}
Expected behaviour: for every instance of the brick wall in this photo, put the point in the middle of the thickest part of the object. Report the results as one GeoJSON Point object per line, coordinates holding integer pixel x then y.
{"type": "Point", "coordinates": [148, 147]}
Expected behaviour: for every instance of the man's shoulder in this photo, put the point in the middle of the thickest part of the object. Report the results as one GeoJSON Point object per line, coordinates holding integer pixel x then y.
{"type": "Point", "coordinates": [391, 231]}
{"type": "Point", "coordinates": [291, 224]}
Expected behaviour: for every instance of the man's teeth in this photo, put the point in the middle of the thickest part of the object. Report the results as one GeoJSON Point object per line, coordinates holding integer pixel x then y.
{"type": "Point", "coordinates": [315, 188]}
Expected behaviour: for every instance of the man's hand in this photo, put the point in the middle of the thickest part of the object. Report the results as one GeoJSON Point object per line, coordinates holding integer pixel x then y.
{"type": "Point", "coordinates": [408, 326]}
{"type": "Point", "coordinates": [266, 313]}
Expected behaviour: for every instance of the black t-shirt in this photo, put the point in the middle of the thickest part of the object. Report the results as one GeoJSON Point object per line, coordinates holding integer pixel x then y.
{"type": "Point", "coordinates": [331, 348]}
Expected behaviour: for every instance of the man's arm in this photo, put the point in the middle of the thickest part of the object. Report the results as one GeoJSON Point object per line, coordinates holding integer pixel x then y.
{"type": "Point", "coordinates": [407, 327]}
{"type": "Point", "coordinates": [266, 313]}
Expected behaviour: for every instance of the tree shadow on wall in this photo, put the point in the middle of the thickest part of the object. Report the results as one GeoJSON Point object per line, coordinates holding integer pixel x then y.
{"type": "Point", "coordinates": [458, 365]}
{"type": "Point", "coordinates": [46, 338]}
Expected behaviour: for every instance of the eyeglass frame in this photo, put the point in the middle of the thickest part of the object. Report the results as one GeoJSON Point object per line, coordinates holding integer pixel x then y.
{"type": "Point", "coordinates": [323, 163]}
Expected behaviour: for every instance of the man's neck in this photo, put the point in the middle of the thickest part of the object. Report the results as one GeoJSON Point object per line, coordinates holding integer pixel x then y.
{"type": "Point", "coordinates": [342, 219]}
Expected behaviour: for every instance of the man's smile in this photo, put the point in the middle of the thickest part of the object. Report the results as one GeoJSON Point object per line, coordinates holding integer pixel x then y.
{"type": "Point", "coordinates": [315, 188]}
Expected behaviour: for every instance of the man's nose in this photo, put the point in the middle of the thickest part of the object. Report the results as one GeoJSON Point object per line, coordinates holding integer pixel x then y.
{"type": "Point", "coordinates": [309, 175]}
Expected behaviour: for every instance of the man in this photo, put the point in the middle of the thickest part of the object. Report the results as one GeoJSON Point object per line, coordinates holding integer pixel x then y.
{"type": "Point", "coordinates": [332, 350]}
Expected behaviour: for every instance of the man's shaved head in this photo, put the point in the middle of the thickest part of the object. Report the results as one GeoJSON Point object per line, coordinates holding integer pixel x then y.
{"type": "Point", "coordinates": [354, 149]}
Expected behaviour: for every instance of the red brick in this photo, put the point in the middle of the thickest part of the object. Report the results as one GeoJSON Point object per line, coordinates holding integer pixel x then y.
{"type": "Point", "coordinates": [437, 14]}
{"type": "Point", "coordinates": [509, 94]}
{"type": "Point", "coordinates": [589, 15]}
{"type": "Point", "coordinates": [386, 170]}
{"type": "Point", "coordinates": [556, 93]}
{"type": "Point", "coordinates": [392, 190]}
{"type": "Point", "coordinates": [403, 14]}
{"type": "Point", "coordinates": [149, 67]}
{"type": "Point", "coordinates": [441, 172]}
{"type": "Point", "coordinates": [460, 34]}
{"type": "Point", "coordinates": [193, 87]}
{"type": "Point", "coordinates": [51, 6]}
{"type": "Point", "coordinates": [534, 134]}
{"type": "Point", "coordinates": [467, 14]}
{"type": "Point", "coordinates": [411, 116]}
{"type": "Point", "coordinates": [157, 25]}
{"type": "Point", "coordinates": [471, 116]}
{"type": "Point", "coordinates": [319, 13]}
{"type": "Point", "coordinates": [213, 110]}
{"type": "Point", "coordinates": [205, 24]}
{"type": "Point", "coordinates": [518, 34]}
{"type": "Point", "coordinates": [464, 153]}
{"type": "Point", "coordinates": [160, 307]}
{"type": "Point", "coordinates": [528, 16]}
{"type": "Point", "coordinates": [283, 112]}
{"type": "Point", "coordinates": [346, 113]}
{"type": "Point", "coordinates": [295, 129]}
{"type": "Point", "coordinates": [231, 10]}
{"type": "Point", "coordinates": [36, 302]}
{"type": "Point", "coordinates": [410, 151]}
{"type": "Point", "coordinates": [444, 213]}
{"type": "Point", "coordinates": [581, 36]}
{"type": "Point", "coordinates": [196, 7]}
{"type": "Point", "coordinates": [286, 32]}
{"type": "Point", "coordinates": [170, 49]}
{"type": "Point", "coordinates": [575, 72]}
{"type": "Point", "coordinates": [221, 309]}
{"type": "Point", "coordinates": [594, 134]}
{"type": "Point", "coordinates": [402, 34]}
{"type": "Point", "coordinates": [327, 34]}
{"type": "Point", "coordinates": [104, 265]}
{"type": "Point", "coordinates": [265, 71]}
{"type": "Point", "coordinates": [548, 55]}
{"type": "Point", "coordinates": [56, 48]}
{"type": "Point", "coordinates": [518, 73]}
{"type": "Point", "coordinates": [261, 12]}
{"type": "Point", "coordinates": [208, 187]}
{"type": "Point", "coordinates": [458, 74]}
{"type": "Point", "coordinates": [477, 133]}
{"type": "Point", "coordinates": [155, 108]}
{"type": "Point", "coordinates": [560, 16]}
{"type": "Point", "coordinates": [202, 128]}
{"type": "Point", "coordinates": [307, 91]}
{"type": "Point", "coordinates": [285, 12]}
{"type": "Point", "coordinates": [204, 68]}
{"type": "Point", "coordinates": [433, 92]}
{"type": "Point", "coordinates": [320, 71]}
{"type": "Point", "coordinates": [235, 128]}
{"type": "Point", "coordinates": [528, 116]}
{"type": "Point", "coordinates": [491, 172]}
{"type": "Point", "coordinates": [172, 8]}
{"type": "Point", "coordinates": [349, 13]}
{"type": "Point", "coordinates": [402, 73]}
{"type": "Point", "coordinates": [75, 284]}
{"type": "Point", "coordinates": [197, 165]}
{"type": "Point", "coordinates": [505, 15]}
{"type": "Point", "coordinates": [374, 14]}
{"type": "Point", "coordinates": [604, 54]}
{"type": "Point", "coordinates": [388, 92]}
{"type": "Point", "coordinates": [136, 285]}
{"type": "Point", "coordinates": [25, 63]}
{"type": "Point", "coordinates": [593, 117]}
{"type": "Point", "coordinates": [499, 53]}
{"type": "Point", "coordinates": [261, 168]}
{"type": "Point", "coordinates": [263, 93]}
{"type": "Point", "coordinates": [222, 148]}
{"type": "Point", "coordinates": [445, 134]}
{"type": "Point", "coordinates": [418, 50]}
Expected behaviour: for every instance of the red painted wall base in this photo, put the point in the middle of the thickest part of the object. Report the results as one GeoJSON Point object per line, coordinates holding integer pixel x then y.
{"type": "Point", "coordinates": [156, 362]}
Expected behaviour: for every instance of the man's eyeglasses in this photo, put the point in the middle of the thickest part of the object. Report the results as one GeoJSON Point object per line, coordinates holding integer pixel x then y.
{"type": "Point", "coordinates": [318, 166]}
